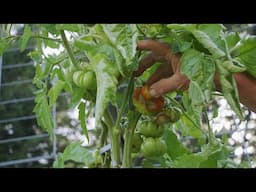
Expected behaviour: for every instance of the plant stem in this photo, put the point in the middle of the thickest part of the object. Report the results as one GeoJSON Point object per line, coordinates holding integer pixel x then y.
{"type": "Point", "coordinates": [127, 161]}
{"type": "Point", "coordinates": [114, 136]}
{"type": "Point", "coordinates": [124, 102]}
{"type": "Point", "coordinates": [115, 131]}
{"type": "Point", "coordinates": [46, 38]}
{"type": "Point", "coordinates": [115, 149]}
{"type": "Point", "coordinates": [132, 121]}
{"type": "Point", "coordinates": [140, 30]}
{"type": "Point", "coordinates": [211, 136]}
{"type": "Point", "coordinates": [66, 45]}
{"type": "Point", "coordinates": [226, 48]}
{"type": "Point", "coordinates": [34, 36]}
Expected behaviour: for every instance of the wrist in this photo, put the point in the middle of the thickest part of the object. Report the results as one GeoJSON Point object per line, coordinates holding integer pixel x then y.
{"type": "Point", "coordinates": [217, 82]}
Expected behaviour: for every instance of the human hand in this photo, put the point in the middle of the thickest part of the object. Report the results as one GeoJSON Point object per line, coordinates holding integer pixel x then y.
{"type": "Point", "coordinates": [168, 76]}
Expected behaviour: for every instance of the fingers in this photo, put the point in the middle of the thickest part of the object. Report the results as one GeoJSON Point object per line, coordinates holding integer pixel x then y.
{"type": "Point", "coordinates": [163, 71]}
{"type": "Point", "coordinates": [156, 47]}
{"type": "Point", "coordinates": [161, 52]}
{"type": "Point", "coordinates": [173, 83]}
{"type": "Point", "coordinates": [145, 63]}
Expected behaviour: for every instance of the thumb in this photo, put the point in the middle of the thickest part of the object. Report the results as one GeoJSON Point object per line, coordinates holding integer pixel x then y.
{"type": "Point", "coordinates": [173, 83]}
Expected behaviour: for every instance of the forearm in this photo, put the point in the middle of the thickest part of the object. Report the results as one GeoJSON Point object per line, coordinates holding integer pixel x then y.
{"type": "Point", "coordinates": [246, 85]}
{"type": "Point", "coordinates": [247, 90]}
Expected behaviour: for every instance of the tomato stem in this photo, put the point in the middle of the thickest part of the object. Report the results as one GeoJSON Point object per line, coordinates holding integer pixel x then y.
{"type": "Point", "coordinates": [127, 161]}
{"type": "Point", "coordinates": [66, 45]}
{"type": "Point", "coordinates": [132, 121]}
{"type": "Point", "coordinates": [210, 133]}
{"type": "Point", "coordinates": [115, 131]}
{"type": "Point", "coordinates": [115, 150]}
{"type": "Point", "coordinates": [114, 136]}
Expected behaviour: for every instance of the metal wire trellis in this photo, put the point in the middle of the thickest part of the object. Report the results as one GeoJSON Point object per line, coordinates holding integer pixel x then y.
{"type": "Point", "coordinates": [5, 141]}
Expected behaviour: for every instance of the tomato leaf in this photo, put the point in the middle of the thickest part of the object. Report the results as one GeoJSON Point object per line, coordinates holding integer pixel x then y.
{"type": "Point", "coordinates": [51, 28]}
{"type": "Point", "coordinates": [214, 152]}
{"type": "Point", "coordinates": [3, 45]}
{"type": "Point", "coordinates": [200, 69]}
{"type": "Point", "coordinates": [208, 157]}
{"type": "Point", "coordinates": [106, 85]}
{"type": "Point", "coordinates": [86, 45]}
{"type": "Point", "coordinates": [232, 39]}
{"type": "Point", "coordinates": [152, 31]}
{"type": "Point", "coordinates": [229, 90]}
{"type": "Point", "coordinates": [25, 37]}
{"type": "Point", "coordinates": [82, 117]}
{"type": "Point", "coordinates": [51, 43]}
{"type": "Point", "coordinates": [188, 27]}
{"type": "Point", "coordinates": [174, 146]}
{"type": "Point", "coordinates": [123, 39]}
{"type": "Point", "coordinates": [77, 153]}
{"type": "Point", "coordinates": [196, 94]}
{"type": "Point", "coordinates": [208, 43]}
{"type": "Point", "coordinates": [55, 91]}
{"type": "Point", "coordinates": [189, 161]}
{"type": "Point", "coordinates": [36, 56]}
{"type": "Point", "coordinates": [246, 54]}
{"type": "Point", "coordinates": [215, 32]}
{"type": "Point", "coordinates": [43, 112]}
{"type": "Point", "coordinates": [69, 27]}
{"type": "Point", "coordinates": [189, 128]}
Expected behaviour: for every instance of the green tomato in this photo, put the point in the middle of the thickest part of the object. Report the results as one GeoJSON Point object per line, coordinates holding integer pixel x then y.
{"type": "Point", "coordinates": [150, 129]}
{"type": "Point", "coordinates": [68, 72]}
{"type": "Point", "coordinates": [136, 142]}
{"type": "Point", "coordinates": [170, 115]}
{"type": "Point", "coordinates": [173, 114]}
{"type": "Point", "coordinates": [153, 147]}
{"type": "Point", "coordinates": [85, 80]}
{"type": "Point", "coordinates": [76, 77]}
{"type": "Point", "coordinates": [89, 80]}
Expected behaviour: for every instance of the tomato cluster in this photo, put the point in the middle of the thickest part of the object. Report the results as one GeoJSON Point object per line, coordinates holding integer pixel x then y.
{"type": "Point", "coordinates": [152, 129]}
{"type": "Point", "coordinates": [153, 145]}
{"type": "Point", "coordinates": [148, 105]}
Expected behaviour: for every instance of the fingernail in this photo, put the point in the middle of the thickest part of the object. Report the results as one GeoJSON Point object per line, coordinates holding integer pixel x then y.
{"type": "Point", "coordinates": [153, 92]}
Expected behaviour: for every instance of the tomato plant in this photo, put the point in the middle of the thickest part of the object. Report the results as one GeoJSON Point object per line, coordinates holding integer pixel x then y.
{"type": "Point", "coordinates": [96, 66]}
